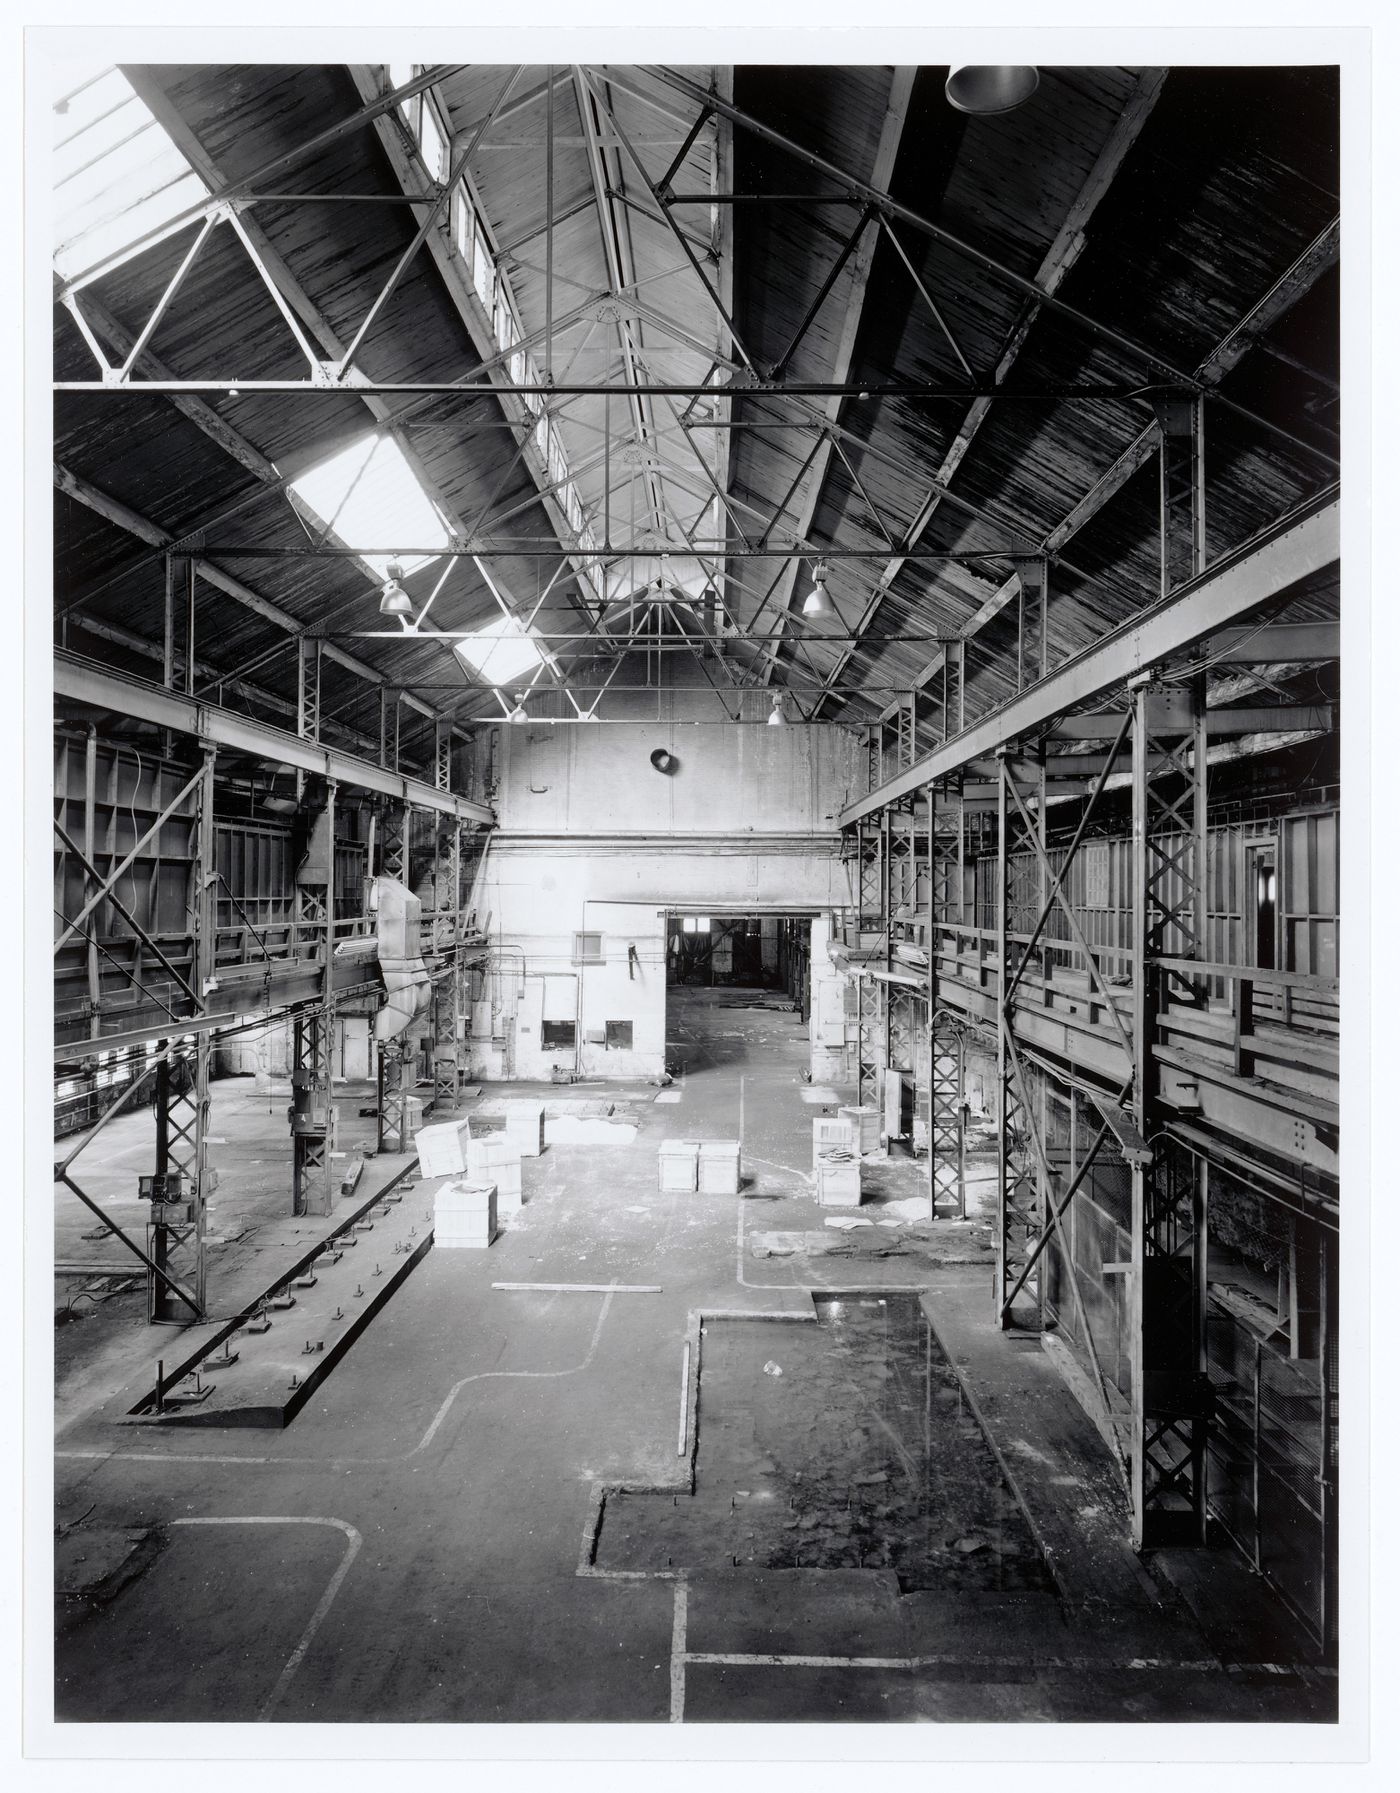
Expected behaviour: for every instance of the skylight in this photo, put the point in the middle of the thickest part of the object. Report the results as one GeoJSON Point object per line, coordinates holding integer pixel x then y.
{"type": "Point", "coordinates": [500, 651]}
{"type": "Point", "coordinates": [116, 173]}
{"type": "Point", "coordinates": [369, 496]}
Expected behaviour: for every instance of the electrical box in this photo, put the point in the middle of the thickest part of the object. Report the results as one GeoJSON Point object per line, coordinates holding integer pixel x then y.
{"type": "Point", "coordinates": [166, 1187]}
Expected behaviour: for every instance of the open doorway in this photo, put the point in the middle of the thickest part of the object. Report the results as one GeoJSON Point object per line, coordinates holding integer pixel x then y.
{"type": "Point", "coordinates": [755, 952]}
{"type": "Point", "coordinates": [722, 967]}
{"type": "Point", "coordinates": [1261, 904]}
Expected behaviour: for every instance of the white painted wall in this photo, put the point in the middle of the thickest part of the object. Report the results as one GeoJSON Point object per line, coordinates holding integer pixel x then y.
{"type": "Point", "coordinates": [593, 839]}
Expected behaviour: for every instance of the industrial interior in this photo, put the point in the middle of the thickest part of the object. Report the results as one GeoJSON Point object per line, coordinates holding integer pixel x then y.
{"type": "Point", "coordinates": [696, 860]}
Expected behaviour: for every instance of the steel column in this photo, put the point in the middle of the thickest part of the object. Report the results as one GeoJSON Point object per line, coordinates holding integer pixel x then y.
{"type": "Point", "coordinates": [1021, 1192]}
{"type": "Point", "coordinates": [176, 1229]}
{"type": "Point", "coordinates": [312, 1114]}
{"type": "Point", "coordinates": [947, 1109]}
{"type": "Point", "coordinates": [1169, 1388]}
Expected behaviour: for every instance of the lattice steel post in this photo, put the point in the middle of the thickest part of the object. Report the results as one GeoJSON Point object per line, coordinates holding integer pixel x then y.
{"type": "Point", "coordinates": [947, 1111]}
{"type": "Point", "coordinates": [442, 756]}
{"type": "Point", "coordinates": [447, 989]}
{"type": "Point", "coordinates": [1182, 489]}
{"type": "Point", "coordinates": [1020, 1193]}
{"type": "Point", "coordinates": [1170, 1389]}
{"type": "Point", "coordinates": [312, 1114]}
{"type": "Point", "coordinates": [176, 1231]}
{"type": "Point", "coordinates": [904, 726]}
{"type": "Point", "coordinates": [395, 841]}
{"type": "Point", "coordinates": [308, 698]}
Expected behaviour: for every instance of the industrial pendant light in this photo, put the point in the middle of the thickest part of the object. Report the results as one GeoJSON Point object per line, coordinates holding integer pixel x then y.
{"type": "Point", "coordinates": [776, 718]}
{"type": "Point", "coordinates": [816, 603]}
{"type": "Point", "coordinates": [394, 600]}
{"type": "Point", "coordinates": [518, 713]}
{"type": "Point", "coordinates": [988, 90]}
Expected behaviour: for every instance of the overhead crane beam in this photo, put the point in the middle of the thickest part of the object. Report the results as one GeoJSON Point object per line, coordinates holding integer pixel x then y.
{"type": "Point", "coordinates": [79, 682]}
{"type": "Point", "coordinates": [1304, 542]}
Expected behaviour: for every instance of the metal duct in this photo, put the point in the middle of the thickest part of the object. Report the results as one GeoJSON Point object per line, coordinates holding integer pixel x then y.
{"type": "Point", "coordinates": [406, 983]}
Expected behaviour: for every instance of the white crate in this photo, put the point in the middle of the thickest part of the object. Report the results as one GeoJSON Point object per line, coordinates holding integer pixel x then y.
{"type": "Point", "coordinates": [525, 1126]}
{"type": "Point", "coordinates": [838, 1179]}
{"type": "Point", "coordinates": [495, 1158]}
{"type": "Point", "coordinates": [464, 1214]}
{"type": "Point", "coordinates": [865, 1126]}
{"type": "Point", "coordinates": [719, 1167]}
{"type": "Point", "coordinates": [679, 1161]}
{"type": "Point", "coordinates": [831, 1132]}
{"type": "Point", "coordinates": [442, 1149]}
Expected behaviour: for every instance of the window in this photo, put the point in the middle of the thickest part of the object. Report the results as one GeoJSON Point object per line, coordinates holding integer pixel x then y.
{"type": "Point", "coordinates": [557, 1033]}
{"type": "Point", "coordinates": [462, 225]}
{"type": "Point", "coordinates": [432, 145]}
{"type": "Point", "coordinates": [369, 496]}
{"type": "Point", "coordinates": [588, 949]}
{"type": "Point", "coordinates": [619, 1036]}
{"type": "Point", "coordinates": [500, 651]}
{"type": "Point", "coordinates": [116, 173]}
{"type": "Point", "coordinates": [696, 924]}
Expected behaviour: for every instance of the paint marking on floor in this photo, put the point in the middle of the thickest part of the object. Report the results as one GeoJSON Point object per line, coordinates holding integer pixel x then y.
{"type": "Point", "coordinates": [481, 1376]}
{"type": "Point", "coordinates": [583, 1288]}
{"type": "Point", "coordinates": [1032, 1665]}
{"type": "Point", "coordinates": [679, 1602]}
{"type": "Point", "coordinates": [323, 1606]}
{"type": "Point", "coordinates": [532, 1375]}
{"type": "Point", "coordinates": [685, 1400]}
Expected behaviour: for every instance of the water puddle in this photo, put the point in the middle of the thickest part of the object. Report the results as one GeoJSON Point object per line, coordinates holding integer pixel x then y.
{"type": "Point", "coordinates": [844, 1445]}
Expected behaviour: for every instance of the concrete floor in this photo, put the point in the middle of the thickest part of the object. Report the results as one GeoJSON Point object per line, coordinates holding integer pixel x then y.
{"type": "Point", "coordinates": [429, 1540]}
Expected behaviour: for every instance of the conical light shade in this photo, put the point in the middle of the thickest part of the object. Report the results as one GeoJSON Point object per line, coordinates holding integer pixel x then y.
{"type": "Point", "coordinates": [987, 90]}
{"type": "Point", "coordinates": [395, 601]}
{"type": "Point", "coordinates": [776, 718]}
{"type": "Point", "coordinates": [518, 713]}
{"type": "Point", "coordinates": [816, 603]}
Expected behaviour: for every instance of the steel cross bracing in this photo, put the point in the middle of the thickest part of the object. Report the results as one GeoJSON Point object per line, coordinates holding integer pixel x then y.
{"type": "Point", "coordinates": [873, 873]}
{"type": "Point", "coordinates": [1021, 1191]}
{"type": "Point", "coordinates": [176, 1229]}
{"type": "Point", "coordinates": [1170, 1391]}
{"type": "Point", "coordinates": [312, 1113]}
{"type": "Point", "coordinates": [947, 1108]}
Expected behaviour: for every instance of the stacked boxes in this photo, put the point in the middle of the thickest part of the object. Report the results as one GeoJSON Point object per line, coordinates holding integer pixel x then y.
{"type": "Point", "coordinates": [838, 1179]}
{"type": "Point", "coordinates": [719, 1167]}
{"type": "Point", "coordinates": [680, 1167]}
{"type": "Point", "coordinates": [525, 1127]}
{"type": "Point", "coordinates": [865, 1127]}
{"type": "Point", "coordinates": [495, 1158]}
{"type": "Point", "coordinates": [442, 1150]}
{"type": "Point", "coordinates": [464, 1214]}
{"type": "Point", "coordinates": [831, 1132]}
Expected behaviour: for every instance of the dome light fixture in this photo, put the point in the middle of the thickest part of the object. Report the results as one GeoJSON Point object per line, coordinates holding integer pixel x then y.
{"type": "Point", "coordinates": [394, 600]}
{"type": "Point", "coordinates": [985, 90]}
{"type": "Point", "coordinates": [776, 718]}
{"type": "Point", "coordinates": [816, 603]}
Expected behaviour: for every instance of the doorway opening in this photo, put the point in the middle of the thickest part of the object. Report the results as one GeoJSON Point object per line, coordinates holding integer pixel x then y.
{"type": "Point", "coordinates": [721, 966]}
{"type": "Point", "coordinates": [1262, 898]}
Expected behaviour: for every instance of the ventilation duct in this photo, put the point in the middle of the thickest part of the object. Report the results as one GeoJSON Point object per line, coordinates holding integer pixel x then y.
{"type": "Point", "coordinates": [406, 983]}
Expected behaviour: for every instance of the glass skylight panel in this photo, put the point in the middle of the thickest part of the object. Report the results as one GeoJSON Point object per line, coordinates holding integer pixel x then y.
{"type": "Point", "coordinates": [116, 173]}
{"type": "Point", "coordinates": [500, 651]}
{"type": "Point", "coordinates": [369, 495]}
